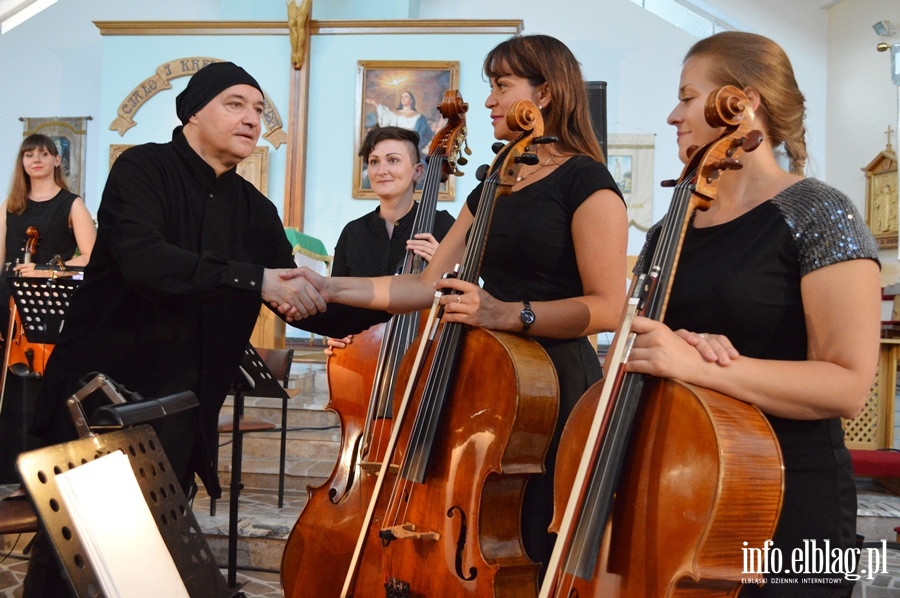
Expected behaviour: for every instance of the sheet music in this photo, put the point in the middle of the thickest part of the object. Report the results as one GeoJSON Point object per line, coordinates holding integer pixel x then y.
{"type": "Point", "coordinates": [117, 529]}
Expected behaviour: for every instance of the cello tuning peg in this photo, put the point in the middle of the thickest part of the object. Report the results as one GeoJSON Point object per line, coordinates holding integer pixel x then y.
{"type": "Point", "coordinates": [726, 164]}
{"type": "Point", "coordinates": [462, 161]}
{"type": "Point", "coordinates": [748, 143]}
{"type": "Point", "coordinates": [497, 146]}
{"type": "Point", "coordinates": [529, 159]}
{"type": "Point", "coordinates": [458, 172]}
{"type": "Point", "coordinates": [752, 140]}
{"type": "Point", "coordinates": [467, 150]}
{"type": "Point", "coordinates": [668, 183]}
{"type": "Point", "coordinates": [544, 139]}
{"type": "Point", "coordinates": [481, 172]}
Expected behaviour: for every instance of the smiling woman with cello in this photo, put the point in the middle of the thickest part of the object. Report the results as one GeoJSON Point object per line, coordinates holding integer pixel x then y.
{"type": "Point", "coordinates": [377, 243]}
{"type": "Point", "coordinates": [775, 301]}
{"type": "Point", "coordinates": [555, 254]}
{"type": "Point", "coordinates": [399, 236]}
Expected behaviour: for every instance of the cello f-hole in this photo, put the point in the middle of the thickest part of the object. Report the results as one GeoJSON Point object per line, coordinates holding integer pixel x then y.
{"type": "Point", "coordinates": [461, 544]}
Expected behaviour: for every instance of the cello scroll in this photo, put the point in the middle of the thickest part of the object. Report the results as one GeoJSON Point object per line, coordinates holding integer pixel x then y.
{"type": "Point", "coordinates": [30, 243]}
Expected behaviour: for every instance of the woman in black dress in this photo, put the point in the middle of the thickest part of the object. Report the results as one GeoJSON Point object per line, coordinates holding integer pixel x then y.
{"type": "Point", "coordinates": [554, 263]}
{"type": "Point", "coordinates": [39, 197]}
{"type": "Point", "coordinates": [775, 302]}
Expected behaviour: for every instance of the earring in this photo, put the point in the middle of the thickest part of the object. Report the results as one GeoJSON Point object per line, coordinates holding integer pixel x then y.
{"type": "Point", "coordinates": [540, 107]}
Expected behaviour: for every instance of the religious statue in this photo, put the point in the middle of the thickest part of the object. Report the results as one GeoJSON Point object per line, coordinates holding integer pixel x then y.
{"type": "Point", "coordinates": [881, 196]}
{"type": "Point", "coordinates": [298, 15]}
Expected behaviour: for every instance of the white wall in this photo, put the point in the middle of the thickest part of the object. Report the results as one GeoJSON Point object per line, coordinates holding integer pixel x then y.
{"type": "Point", "coordinates": [862, 101]}
{"type": "Point", "coordinates": [52, 66]}
{"type": "Point", "coordinates": [639, 56]}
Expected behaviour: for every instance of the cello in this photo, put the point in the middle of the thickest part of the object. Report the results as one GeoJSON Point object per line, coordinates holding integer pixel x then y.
{"type": "Point", "coordinates": [466, 438]}
{"type": "Point", "coordinates": [323, 535]}
{"type": "Point", "coordinates": [672, 480]}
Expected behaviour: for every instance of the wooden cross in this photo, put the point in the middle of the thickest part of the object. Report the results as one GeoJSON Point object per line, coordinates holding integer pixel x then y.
{"type": "Point", "coordinates": [888, 133]}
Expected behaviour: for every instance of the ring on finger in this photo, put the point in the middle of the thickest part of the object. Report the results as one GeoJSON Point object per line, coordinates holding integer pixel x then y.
{"type": "Point", "coordinates": [458, 299]}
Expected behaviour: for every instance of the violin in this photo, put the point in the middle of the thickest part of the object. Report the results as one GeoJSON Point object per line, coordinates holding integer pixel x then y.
{"type": "Point", "coordinates": [321, 541]}
{"type": "Point", "coordinates": [473, 423]}
{"type": "Point", "coordinates": [659, 483]}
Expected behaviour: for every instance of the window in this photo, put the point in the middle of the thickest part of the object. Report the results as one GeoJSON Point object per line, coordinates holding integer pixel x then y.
{"type": "Point", "coordinates": [685, 16]}
{"type": "Point", "coordinates": [16, 12]}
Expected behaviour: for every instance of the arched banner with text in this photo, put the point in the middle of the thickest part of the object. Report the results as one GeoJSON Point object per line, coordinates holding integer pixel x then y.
{"type": "Point", "coordinates": [183, 67]}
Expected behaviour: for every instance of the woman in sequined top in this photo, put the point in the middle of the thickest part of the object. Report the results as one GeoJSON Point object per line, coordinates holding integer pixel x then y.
{"type": "Point", "coordinates": [775, 300]}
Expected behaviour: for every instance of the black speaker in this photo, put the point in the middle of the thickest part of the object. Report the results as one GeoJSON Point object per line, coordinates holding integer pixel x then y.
{"type": "Point", "coordinates": [596, 94]}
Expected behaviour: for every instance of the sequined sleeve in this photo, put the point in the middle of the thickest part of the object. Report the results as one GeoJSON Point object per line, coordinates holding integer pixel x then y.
{"type": "Point", "coordinates": [825, 225]}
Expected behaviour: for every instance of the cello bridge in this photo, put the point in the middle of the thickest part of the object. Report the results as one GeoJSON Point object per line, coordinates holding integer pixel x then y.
{"type": "Point", "coordinates": [408, 531]}
{"type": "Point", "coordinates": [372, 468]}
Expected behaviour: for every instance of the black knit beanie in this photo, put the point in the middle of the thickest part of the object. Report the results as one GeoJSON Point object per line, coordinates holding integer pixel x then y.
{"type": "Point", "coordinates": [206, 84]}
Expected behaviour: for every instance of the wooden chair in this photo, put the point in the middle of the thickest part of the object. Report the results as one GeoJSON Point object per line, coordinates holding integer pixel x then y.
{"type": "Point", "coordinates": [17, 516]}
{"type": "Point", "coordinates": [278, 362]}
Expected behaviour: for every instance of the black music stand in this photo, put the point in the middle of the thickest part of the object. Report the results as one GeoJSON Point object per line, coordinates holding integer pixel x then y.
{"type": "Point", "coordinates": [162, 491]}
{"type": "Point", "coordinates": [42, 304]}
{"type": "Point", "coordinates": [253, 379]}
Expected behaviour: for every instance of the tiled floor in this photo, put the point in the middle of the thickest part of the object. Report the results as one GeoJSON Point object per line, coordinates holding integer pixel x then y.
{"type": "Point", "coordinates": [879, 513]}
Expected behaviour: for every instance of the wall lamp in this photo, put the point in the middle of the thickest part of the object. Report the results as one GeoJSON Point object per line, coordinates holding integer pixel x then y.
{"type": "Point", "coordinates": [884, 28]}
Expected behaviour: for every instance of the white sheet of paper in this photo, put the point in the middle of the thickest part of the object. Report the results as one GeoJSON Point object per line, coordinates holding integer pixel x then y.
{"type": "Point", "coordinates": [117, 529]}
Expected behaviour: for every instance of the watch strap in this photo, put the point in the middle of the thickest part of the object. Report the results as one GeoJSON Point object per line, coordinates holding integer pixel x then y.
{"type": "Point", "coordinates": [527, 315]}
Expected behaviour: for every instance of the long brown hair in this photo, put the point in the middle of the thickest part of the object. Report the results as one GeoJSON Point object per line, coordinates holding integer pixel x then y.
{"type": "Point", "coordinates": [544, 59]}
{"type": "Point", "coordinates": [749, 60]}
{"type": "Point", "coordinates": [20, 188]}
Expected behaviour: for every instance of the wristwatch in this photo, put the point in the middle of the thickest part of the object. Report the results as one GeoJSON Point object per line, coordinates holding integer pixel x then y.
{"type": "Point", "coordinates": [527, 316]}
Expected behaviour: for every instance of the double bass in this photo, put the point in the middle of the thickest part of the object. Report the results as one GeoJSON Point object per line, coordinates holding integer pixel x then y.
{"type": "Point", "coordinates": [672, 480]}
{"type": "Point", "coordinates": [321, 540]}
{"type": "Point", "coordinates": [444, 516]}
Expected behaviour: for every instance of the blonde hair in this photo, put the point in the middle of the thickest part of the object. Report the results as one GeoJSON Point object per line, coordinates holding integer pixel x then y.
{"type": "Point", "coordinates": [749, 60]}
{"type": "Point", "coordinates": [544, 59]}
{"type": "Point", "coordinates": [20, 188]}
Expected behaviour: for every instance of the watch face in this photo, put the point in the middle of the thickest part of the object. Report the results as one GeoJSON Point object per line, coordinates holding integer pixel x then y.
{"type": "Point", "coordinates": [527, 316]}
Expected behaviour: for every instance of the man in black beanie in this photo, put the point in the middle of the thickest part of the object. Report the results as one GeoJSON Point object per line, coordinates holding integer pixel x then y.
{"type": "Point", "coordinates": [186, 253]}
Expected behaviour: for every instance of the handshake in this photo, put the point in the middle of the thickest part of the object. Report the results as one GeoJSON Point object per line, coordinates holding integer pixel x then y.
{"type": "Point", "coordinates": [294, 293]}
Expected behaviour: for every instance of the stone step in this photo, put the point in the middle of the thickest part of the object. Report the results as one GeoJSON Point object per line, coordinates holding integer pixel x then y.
{"type": "Point", "coordinates": [263, 528]}
{"type": "Point", "coordinates": [313, 436]}
{"type": "Point", "coordinates": [299, 414]}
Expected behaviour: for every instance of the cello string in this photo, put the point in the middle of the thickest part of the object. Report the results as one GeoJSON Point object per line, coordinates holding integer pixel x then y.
{"type": "Point", "coordinates": [402, 487]}
{"type": "Point", "coordinates": [391, 344]}
{"type": "Point", "coordinates": [577, 546]}
{"type": "Point", "coordinates": [438, 381]}
{"type": "Point", "coordinates": [439, 375]}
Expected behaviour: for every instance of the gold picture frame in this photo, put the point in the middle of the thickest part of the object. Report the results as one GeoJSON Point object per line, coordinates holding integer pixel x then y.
{"type": "Point", "coordinates": [630, 161]}
{"type": "Point", "coordinates": [401, 93]}
{"type": "Point", "coordinates": [254, 168]}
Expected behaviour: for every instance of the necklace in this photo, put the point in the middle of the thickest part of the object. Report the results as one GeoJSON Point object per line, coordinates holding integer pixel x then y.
{"type": "Point", "coordinates": [528, 174]}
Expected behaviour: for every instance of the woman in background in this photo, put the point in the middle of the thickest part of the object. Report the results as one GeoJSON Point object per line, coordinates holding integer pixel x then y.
{"type": "Point", "coordinates": [376, 244]}
{"type": "Point", "coordinates": [39, 198]}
